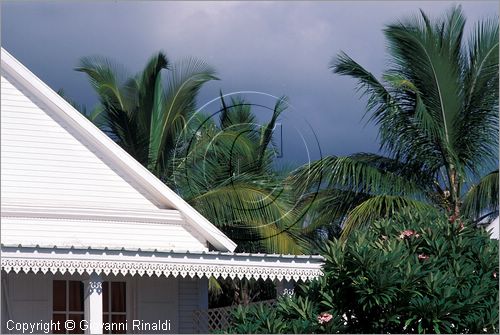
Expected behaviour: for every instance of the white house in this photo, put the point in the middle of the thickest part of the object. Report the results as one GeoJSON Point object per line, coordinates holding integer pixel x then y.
{"type": "Point", "coordinates": [89, 236]}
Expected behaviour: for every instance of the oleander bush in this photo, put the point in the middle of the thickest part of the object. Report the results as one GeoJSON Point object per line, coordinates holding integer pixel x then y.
{"type": "Point", "coordinates": [412, 273]}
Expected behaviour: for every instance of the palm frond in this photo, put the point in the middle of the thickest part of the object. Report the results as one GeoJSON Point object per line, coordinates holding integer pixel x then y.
{"type": "Point", "coordinates": [183, 85]}
{"type": "Point", "coordinates": [327, 208]}
{"type": "Point", "coordinates": [224, 115]}
{"type": "Point", "coordinates": [118, 106]}
{"type": "Point", "coordinates": [429, 56]}
{"type": "Point", "coordinates": [482, 198]}
{"type": "Point", "coordinates": [379, 207]}
{"type": "Point", "coordinates": [214, 287]}
{"type": "Point", "coordinates": [97, 116]}
{"type": "Point", "coordinates": [268, 129]}
{"type": "Point", "coordinates": [149, 89]}
{"type": "Point", "coordinates": [354, 174]}
{"type": "Point", "coordinates": [478, 122]}
{"type": "Point", "coordinates": [106, 78]}
{"type": "Point", "coordinates": [254, 212]}
{"type": "Point", "coordinates": [399, 133]}
{"type": "Point", "coordinates": [156, 120]}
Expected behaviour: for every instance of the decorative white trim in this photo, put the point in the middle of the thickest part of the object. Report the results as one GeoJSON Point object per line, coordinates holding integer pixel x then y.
{"type": "Point", "coordinates": [225, 265]}
{"type": "Point", "coordinates": [94, 286]}
{"type": "Point", "coordinates": [152, 185]}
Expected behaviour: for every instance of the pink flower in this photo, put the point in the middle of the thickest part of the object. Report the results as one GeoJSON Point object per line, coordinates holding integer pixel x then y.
{"type": "Point", "coordinates": [408, 233]}
{"type": "Point", "coordinates": [423, 256]}
{"type": "Point", "coordinates": [495, 274]}
{"type": "Point", "coordinates": [324, 318]}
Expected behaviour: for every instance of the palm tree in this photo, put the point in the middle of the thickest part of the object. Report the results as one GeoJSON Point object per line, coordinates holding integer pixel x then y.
{"type": "Point", "coordinates": [154, 120]}
{"type": "Point", "coordinates": [436, 107]}
{"type": "Point", "coordinates": [224, 167]}
{"type": "Point", "coordinates": [138, 112]}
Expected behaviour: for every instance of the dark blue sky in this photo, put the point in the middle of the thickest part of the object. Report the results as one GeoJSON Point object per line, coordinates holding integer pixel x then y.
{"type": "Point", "coordinates": [276, 48]}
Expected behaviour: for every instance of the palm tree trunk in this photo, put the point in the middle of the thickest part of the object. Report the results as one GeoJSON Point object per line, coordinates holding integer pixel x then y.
{"type": "Point", "coordinates": [455, 192]}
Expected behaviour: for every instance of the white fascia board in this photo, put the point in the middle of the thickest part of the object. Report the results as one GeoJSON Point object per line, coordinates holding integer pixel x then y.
{"type": "Point", "coordinates": [114, 152]}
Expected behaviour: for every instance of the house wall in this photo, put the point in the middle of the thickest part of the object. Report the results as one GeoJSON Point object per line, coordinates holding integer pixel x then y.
{"type": "Point", "coordinates": [158, 300]}
{"type": "Point", "coordinates": [193, 295]}
{"type": "Point", "coordinates": [28, 298]}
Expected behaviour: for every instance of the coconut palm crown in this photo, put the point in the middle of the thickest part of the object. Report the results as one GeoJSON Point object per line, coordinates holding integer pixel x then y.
{"type": "Point", "coordinates": [436, 108]}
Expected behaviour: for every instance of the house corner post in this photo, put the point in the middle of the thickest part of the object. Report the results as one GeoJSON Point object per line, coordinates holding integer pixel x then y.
{"type": "Point", "coordinates": [93, 304]}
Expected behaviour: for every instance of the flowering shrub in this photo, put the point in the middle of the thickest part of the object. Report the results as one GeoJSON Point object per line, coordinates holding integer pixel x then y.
{"type": "Point", "coordinates": [413, 274]}
{"type": "Point", "coordinates": [292, 315]}
{"type": "Point", "coordinates": [407, 274]}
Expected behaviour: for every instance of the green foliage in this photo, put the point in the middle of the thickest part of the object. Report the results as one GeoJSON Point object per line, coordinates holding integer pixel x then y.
{"type": "Point", "coordinates": [240, 291]}
{"type": "Point", "coordinates": [436, 107]}
{"type": "Point", "coordinates": [411, 273]}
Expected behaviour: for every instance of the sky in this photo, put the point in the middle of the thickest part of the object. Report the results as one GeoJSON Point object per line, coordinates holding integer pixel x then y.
{"type": "Point", "coordinates": [273, 48]}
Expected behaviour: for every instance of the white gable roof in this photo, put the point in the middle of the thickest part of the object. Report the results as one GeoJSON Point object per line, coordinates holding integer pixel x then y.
{"type": "Point", "coordinates": [52, 156]}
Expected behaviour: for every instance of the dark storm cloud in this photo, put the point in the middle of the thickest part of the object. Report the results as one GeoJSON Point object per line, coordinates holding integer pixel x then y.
{"type": "Point", "coordinates": [274, 47]}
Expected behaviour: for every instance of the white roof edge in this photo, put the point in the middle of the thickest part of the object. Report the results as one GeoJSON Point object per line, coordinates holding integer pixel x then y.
{"type": "Point", "coordinates": [118, 155]}
{"type": "Point", "coordinates": [147, 252]}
